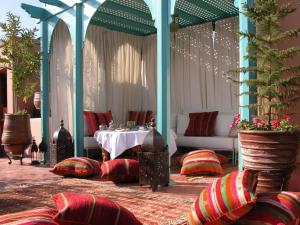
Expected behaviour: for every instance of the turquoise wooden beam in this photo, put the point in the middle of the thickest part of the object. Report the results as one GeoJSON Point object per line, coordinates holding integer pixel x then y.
{"type": "Point", "coordinates": [36, 12]}
{"type": "Point", "coordinates": [56, 3]}
{"type": "Point", "coordinates": [45, 87]}
{"type": "Point", "coordinates": [163, 68]}
{"type": "Point", "coordinates": [78, 82]}
{"type": "Point", "coordinates": [245, 25]}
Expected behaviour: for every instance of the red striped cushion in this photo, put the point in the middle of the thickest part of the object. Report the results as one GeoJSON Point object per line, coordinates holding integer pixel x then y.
{"type": "Point", "coordinates": [201, 162]}
{"type": "Point", "coordinates": [120, 170]}
{"type": "Point", "coordinates": [101, 119]}
{"type": "Point", "coordinates": [37, 216]}
{"type": "Point", "coordinates": [108, 116]}
{"type": "Point", "coordinates": [222, 158]}
{"type": "Point", "coordinates": [225, 200]}
{"type": "Point", "coordinates": [77, 167]}
{"type": "Point", "coordinates": [274, 209]}
{"type": "Point", "coordinates": [141, 118]}
{"type": "Point", "coordinates": [201, 124]}
{"type": "Point", "coordinates": [91, 210]}
{"type": "Point", "coordinates": [91, 122]}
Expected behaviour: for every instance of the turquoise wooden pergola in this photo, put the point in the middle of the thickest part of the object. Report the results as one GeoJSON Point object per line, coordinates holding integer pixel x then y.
{"type": "Point", "coordinates": [137, 17]}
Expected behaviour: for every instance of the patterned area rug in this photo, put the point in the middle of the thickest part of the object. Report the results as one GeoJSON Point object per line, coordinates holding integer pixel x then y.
{"type": "Point", "coordinates": [167, 206]}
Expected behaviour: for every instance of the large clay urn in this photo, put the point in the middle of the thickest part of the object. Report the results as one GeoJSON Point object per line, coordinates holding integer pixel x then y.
{"type": "Point", "coordinates": [273, 154]}
{"type": "Point", "coordinates": [16, 136]}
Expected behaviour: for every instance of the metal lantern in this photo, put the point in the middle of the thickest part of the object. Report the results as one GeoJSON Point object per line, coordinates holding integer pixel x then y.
{"type": "Point", "coordinates": [154, 161]}
{"type": "Point", "coordinates": [62, 145]}
{"type": "Point", "coordinates": [43, 149]}
{"type": "Point", "coordinates": [34, 153]}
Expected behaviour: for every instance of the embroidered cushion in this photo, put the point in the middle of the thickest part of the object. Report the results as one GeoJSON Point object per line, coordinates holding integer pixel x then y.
{"type": "Point", "coordinates": [222, 158]}
{"type": "Point", "coordinates": [120, 170]}
{"type": "Point", "coordinates": [225, 200]}
{"type": "Point", "coordinates": [274, 209]}
{"type": "Point", "coordinates": [201, 124]}
{"type": "Point", "coordinates": [141, 118]}
{"type": "Point", "coordinates": [37, 216]}
{"type": "Point", "coordinates": [101, 119]}
{"type": "Point", "coordinates": [77, 167]}
{"type": "Point", "coordinates": [91, 122]}
{"type": "Point", "coordinates": [88, 209]}
{"type": "Point", "coordinates": [201, 162]}
{"type": "Point", "coordinates": [108, 116]}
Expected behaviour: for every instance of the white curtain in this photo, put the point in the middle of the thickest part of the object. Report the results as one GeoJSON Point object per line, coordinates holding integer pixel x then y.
{"type": "Point", "coordinates": [61, 78]}
{"type": "Point", "coordinates": [120, 70]}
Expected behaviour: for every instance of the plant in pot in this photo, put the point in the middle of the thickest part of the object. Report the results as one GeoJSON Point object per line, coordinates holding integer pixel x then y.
{"type": "Point", "coordinates": [20, 55]}
{"type": "Point", "coordinates": [270, 142]}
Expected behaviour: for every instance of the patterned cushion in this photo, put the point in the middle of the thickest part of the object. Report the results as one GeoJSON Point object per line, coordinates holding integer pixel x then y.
{"type": "Point", "coordinates": [77, 167]}
{"type": "Point", "coordinates": [274, 209]}
{"type": "Point", "coordinates": [101, 119]}
{"type": "Point", "coordinates": [133, 116]}
{"type": "Point", "coordinates": [37, 216]}
{"type": "Point", "coordinates": [141, 118]}
{"type": "Point", "coordinates": [91, 122]}
{"type": "Point", "coordinates": [201, 124]}
{"type": "Point", "coordinates": [108, 116]}
{"type": "Point", "coordinates": [120, 170]}
{"type": "Point", "coordinates": [225, 200]}
{"type": "Point", "coordinates": [91, 210]}
{"type": "Point", "coordinates": [222, 158]}
{"type": "Point", "coordinates": [201, 162]}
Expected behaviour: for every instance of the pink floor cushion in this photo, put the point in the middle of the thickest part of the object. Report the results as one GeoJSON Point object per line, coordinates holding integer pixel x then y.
{"type": "Point", "coordinates": [37, 216]}
{"type": "Point", "coordinates": [201, 162]}
{"type": "Point", "coordinates": [225, 200]}
{"type": "Point", "coordinates": [120, 170]}
{"type": "Point", "coordinates": [274, 209]}
{"type": "Point", "coordinates": [87, 209]}
{"type": "Point", "coordinates": [77, 167]}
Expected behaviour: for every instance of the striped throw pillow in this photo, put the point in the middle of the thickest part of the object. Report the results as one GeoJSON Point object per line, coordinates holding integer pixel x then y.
{"type": "Point", "coordinates": [225, 200]}
{"type": "Point", "coordinates": [37, 216]}
{"type": "Point", "coordinates": [120, 170]}
{"type": "Point", "coordinates": [88, 209]}
{"type": "Point", "coordinates": [201, 162]}
{"type": "Point", "coordinates": [222, 158]}
{"type": "Point", "coordinates": [91, 121]}
{"type": "Point", "coordinates": [274, 209]}
{"type": "Point", "coordinates": [77, 167]}
{"type": "Point", "coordinates": [201, 124]}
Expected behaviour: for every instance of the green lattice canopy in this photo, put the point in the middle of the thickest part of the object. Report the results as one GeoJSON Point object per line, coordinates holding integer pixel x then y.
{"type": "Point", "coordinates": [134, 17]}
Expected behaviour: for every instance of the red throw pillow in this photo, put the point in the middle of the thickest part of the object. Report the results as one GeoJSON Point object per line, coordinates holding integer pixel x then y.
{"type": "Point", "coordinates": [201, 162]}
{"type": "Point", "coordinates": [274, 209]}
{"type": "Point", "coordinates": [142, 118]}
{"type": "Point", "coordinates": [37, 216]}
{"type": "Point", "coordinates": [91, 122]}
{"type": "Point", "coordinates": [120, 170]}
{"type": "Point", "coordinates": [77, 167]}
{"type": "Point", "coordinates": [133, 116]}
{"type": "Point", "coordinates": [201, 124]}
{"type": "Point", "coordinates": [101, 119]}
{"type": "Point", "coordinates": [149, 116]}
{"type": "Point", "coordinates": [108, 116]}
{"type": "Point", "coordinates": [88, 209]}
{"type": "Point", "coordinates": [225, 200]}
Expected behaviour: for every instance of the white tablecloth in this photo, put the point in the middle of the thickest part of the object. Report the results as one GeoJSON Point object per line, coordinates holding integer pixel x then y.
{"type": "Point", "coordinates": [116, 142]}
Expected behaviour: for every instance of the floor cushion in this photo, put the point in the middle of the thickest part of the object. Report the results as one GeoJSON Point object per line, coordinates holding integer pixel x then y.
{"type": "Point", "coordinates": [88, 209]}
{"type": "Point", "coordinates": [274, 209]}
{"type": "Point", "coordinates": [201, 162]}
{"type": "Point", "coordinates": [225, 200]}
{"type": "Point", "coordinates": [222, 158]}
{"type": "Point", "coordinates": [120, 170]}
{"type": "Point", "coordinates": [37, 216]}
{"type": "Point", "coordinates": [201, 124]}
{"type": "Point", "coordinates": [77, 167]}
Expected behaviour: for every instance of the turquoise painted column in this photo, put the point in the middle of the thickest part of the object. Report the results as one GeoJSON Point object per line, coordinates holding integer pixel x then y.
{"type": "Point", "coordinates": [163, 69]}
{"type": "Point", "coordinates": [78, 83]}
{"type": "Point", "coordinates": [245, 26]}
{"type": "Point", "coordinates": [45, 87]}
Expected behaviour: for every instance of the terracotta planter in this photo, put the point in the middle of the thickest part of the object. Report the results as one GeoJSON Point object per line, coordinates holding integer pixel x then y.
{"type": "Point", "coordinates": [37, 100]}
{"type": "Point", "coordinates": [16, 136]}
{"type": "Point", "coordinates": [271, 153]}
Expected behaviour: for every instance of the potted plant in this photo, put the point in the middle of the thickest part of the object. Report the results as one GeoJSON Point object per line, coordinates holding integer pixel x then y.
{"type": "Point", "coordinates": [270, 142]}
{"type": "Point", "coordinates": [20, 55]}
